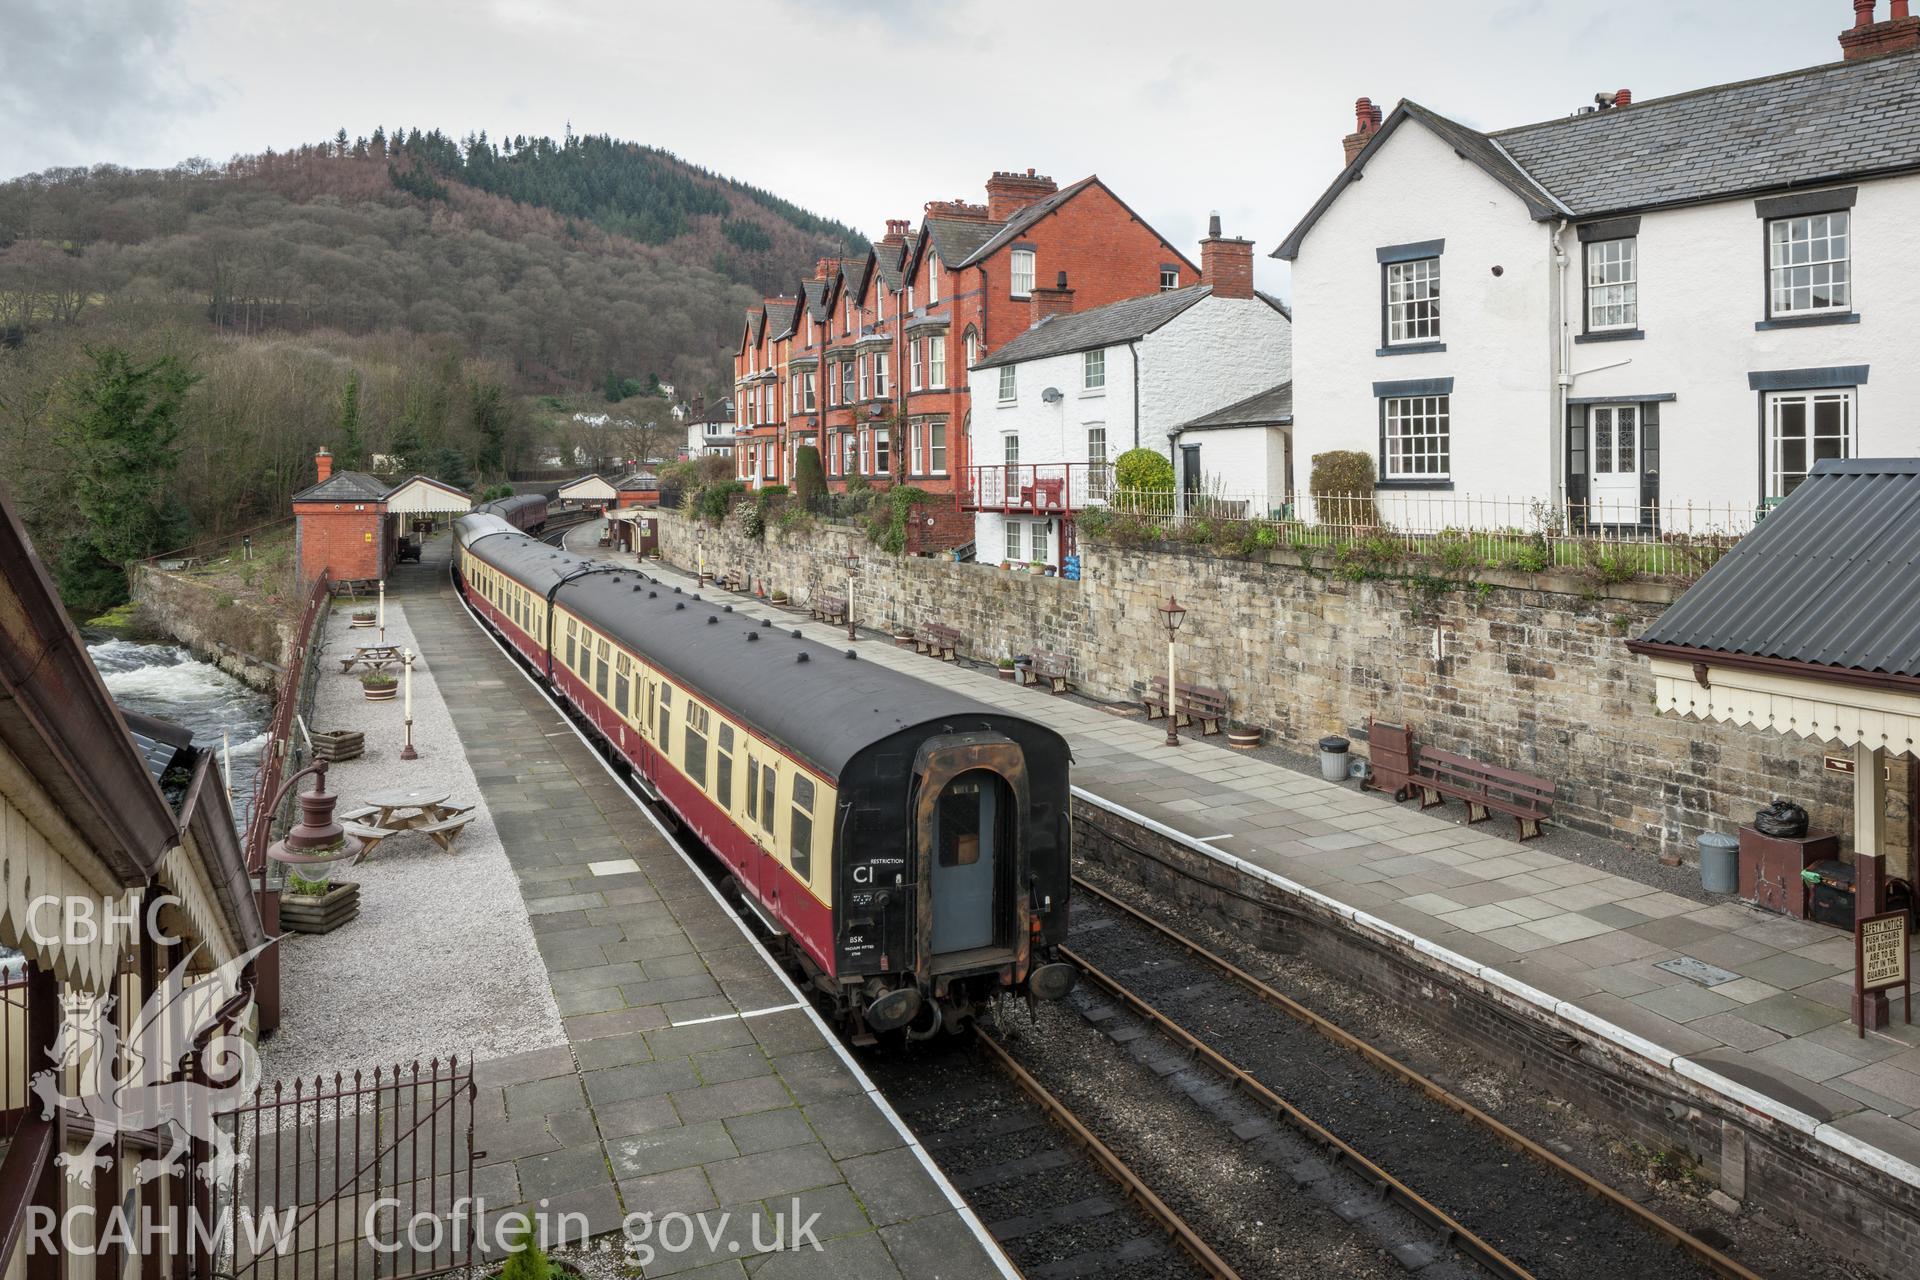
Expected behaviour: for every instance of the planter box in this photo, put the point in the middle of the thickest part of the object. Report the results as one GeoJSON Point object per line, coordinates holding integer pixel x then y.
{"type": "Point", "coordinates": [335, 745]}
{"type": "Point", "coordinates": [304, 913]}
{"type": "Point", "coordinates": [388, 694]}
{"type": "Point", "coordinates": [361, 624]}
{"type": "Point", "coordinates": [1245, 739]}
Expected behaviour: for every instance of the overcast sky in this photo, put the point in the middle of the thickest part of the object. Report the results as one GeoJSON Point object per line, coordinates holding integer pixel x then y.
{"type": "Point", "coordinates": [866, 109]}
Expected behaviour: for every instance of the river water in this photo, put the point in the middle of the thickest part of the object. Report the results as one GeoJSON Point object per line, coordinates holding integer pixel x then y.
{"type": "Point", "coordinates": [166, 681]}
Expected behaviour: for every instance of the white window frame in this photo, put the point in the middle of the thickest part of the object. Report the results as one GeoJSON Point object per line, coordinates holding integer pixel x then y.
{"type": "Point", "coordinates": [913, 365]}
{"type": "Point", "coordinates": [1791, 253]}
{"type": "Point", "coordinates": [1093, 372]}
{"type": "Point", "coordinates": [849, 454]}
{"type": "Point", "coordinates": [1041, 543]}
{"type": "Point", "coordinates": [937, 448]}
{"type": "Point", "coordinates": [1411, 287]}
{"type": "Point", "coordinates": [1847, 400]}
{"type": "Point", "coordinates": [937, 361]}
{"type": "Point", "coordinates": [1613, 284]}
{"type": "Point", "coordinates": [1009, 384]}
{"type": "Point", "coordinates": [933, 282]}
{"type": "Point", "coordinates": [865, 384]}
{"type": "Point", "coordinates": [1169, 279]}
{"type": "Point", "coordinates": [1405, 420]}
{"type": "Point", "coordinates": [909, 297]}
{"type": "Point", "coordinates": [809, 391]}
{"type": "Point", "coordinates": [1010, 450]}
{"type": "Point", "coordinates": [1012, 532]}
{"type": "Point", "coordinates": [919, 458]}
{"type": "Point", "coordinates": [1021, 266]}
{"type": "Point", "coordinates": [880, 301]}
{"type": "Point", "coordinates": [1097, 461]}
{"type": "Point", "coordinates": [880, 374]}
{"type": "Point", "coordinates": [882, 459]}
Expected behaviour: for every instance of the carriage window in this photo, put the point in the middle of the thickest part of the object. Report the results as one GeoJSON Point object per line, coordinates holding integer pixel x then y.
{"type": "Point", "coordinates": [769, 782]}
{"type": "Point", "coordinates": [570, 637]}
{"type": "Point", "coordinates": [600, 672]}
{"type": "Point", "coordinates": [666, 718]}
{"type": "Point", "coordinates": [696, 744]}
{"type": "Point", "coordinates": [960, 823]}
{"type": "Point", "coordinates": [753, 787]}
{"type": "Point", "coordinates": [723, 768]}
{"type": "Point", "coordinates": [622, 683]}
{"type": "Point", "coordinates": [801, 850]}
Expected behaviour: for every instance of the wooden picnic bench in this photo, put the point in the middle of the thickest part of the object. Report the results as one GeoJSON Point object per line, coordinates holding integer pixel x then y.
{"type": "Point", "coordinates": [369, 836]}
{"type": "Point", "coordinates": [374, 657]}
{"type": "Point", "coordinates": [445, 831]}
{"type": "Point", "coordinates": [1055, 670]}
{"type": "Point", "coordinates": [828, 607]}
{"type": "Point", "coordinates": [937, 640]}
{"type": "Point", "coordinates": [1193, 704]}
{"type": "Point", "coordinates": [1485, 788]}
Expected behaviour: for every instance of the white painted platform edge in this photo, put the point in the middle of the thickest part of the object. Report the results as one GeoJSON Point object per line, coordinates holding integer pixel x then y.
{"type": "Point", "coordinates": [1848, 1144]}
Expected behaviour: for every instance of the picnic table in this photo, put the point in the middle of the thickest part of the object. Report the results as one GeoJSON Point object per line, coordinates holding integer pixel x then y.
{"type": "Point", "coordinates": [424, 810]}
{"type": "Point", "coordinates": [374, 657]}
{"type": "Point", "coordinates": [398, 810]}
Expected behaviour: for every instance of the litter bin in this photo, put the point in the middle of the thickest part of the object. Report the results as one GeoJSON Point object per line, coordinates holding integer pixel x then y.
{"type": "Point", "coordinates": [1333, 757]}
{"type": "Point", "coordinates": [1719, 862]}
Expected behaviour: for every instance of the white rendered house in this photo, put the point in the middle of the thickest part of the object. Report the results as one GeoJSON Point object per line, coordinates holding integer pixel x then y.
{"type": "Point", "coordinates": [1054, 407]}
{"type": "Point", "coordinates": [1623, 313]}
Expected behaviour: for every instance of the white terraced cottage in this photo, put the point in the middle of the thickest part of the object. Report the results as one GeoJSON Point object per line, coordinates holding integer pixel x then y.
{"type": "Point", "coordinates": [1192, 373]}
{"type": "Point", "coordinates": [1627, 311]}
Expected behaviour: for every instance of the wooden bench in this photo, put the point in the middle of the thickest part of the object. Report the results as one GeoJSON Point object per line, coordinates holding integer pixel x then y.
{"type": "Point", "coordinates": [447, 830]}
{"type": "Point", "coordinates": [1485, 788]}
{"type": "Point", "coordinates": [938, 641]}
{"type": "Point", "coordinates": [1193, 704]}
{"type": "Point", "coordinates": [1390, 759]}
{"type": "Point", "coordinates": [735, 580]}
{"type": "Point", "coordinates": [369, 837]}
{"type": "Point", "coordinates": [1055, 670]}
{"type": "Point", "coordinates": [830, 608]}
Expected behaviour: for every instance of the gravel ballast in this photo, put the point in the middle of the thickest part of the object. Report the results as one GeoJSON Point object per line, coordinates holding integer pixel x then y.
{"type": "Point", "coordinates": [441, 958]}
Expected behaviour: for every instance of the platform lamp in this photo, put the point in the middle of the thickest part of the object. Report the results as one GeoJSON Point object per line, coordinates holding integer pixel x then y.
{"type": "Point", "coordinates": [383, 611]}
{"type": "Point", "coordinates": [317, 842]}
{"type": "Point", "coordinates": [853, 567]}
{"type": "Point", "coordinates": [1173, 615]}
{"type": "Point", "coordinates": [406, 667]}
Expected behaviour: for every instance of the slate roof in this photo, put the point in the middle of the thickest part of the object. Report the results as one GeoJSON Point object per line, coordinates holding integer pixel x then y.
{"type": "Point", "coordinates": [1831, 123]}
{"type": "Point", "coordinates": [345, 486]}
{"type": "Point", "coordinates": [780, 317]}
{"type": "Point", "coordinates": [960, 240]}
{"type": "Point", "coordinates": [1821, 124]}
{"type": "Point", "coordinates": [159, 742]}
{"type": "Point", "coordinates": [1262, 408]}
{"type": "Point", "coordinates": [815, 292]}
{"type": "Point", "coordinates": [1101, 327]}
{"type": "Point", "coordinates": [1830, 578]}
{"type": "Point", "coordinates": [887, 264]}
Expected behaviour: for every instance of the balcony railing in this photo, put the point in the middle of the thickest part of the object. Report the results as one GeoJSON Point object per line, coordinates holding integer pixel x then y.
{"type": "Point", "coordinates": [1041, 488]}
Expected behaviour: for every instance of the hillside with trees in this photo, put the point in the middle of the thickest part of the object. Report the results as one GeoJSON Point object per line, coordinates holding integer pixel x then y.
{"type": "Point", "coordinates": [454, 307]}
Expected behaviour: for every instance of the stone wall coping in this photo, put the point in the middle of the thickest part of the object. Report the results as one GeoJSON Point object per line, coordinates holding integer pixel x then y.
{"type": "Point", "coordinates": [1828, 1134]}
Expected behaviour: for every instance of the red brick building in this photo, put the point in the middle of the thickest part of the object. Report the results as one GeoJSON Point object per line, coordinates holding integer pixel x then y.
{"type": "Point", "coordinates": [342, 525]}
{"type": "Point", "coordinates": [869, 359]}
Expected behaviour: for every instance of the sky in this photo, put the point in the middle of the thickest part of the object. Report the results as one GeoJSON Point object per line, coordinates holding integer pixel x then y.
{"type": "Point", "coordinates": [864, 110]}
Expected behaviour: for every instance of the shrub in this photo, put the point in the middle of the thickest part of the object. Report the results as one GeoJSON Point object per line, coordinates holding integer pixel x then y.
{"type": "Point", "coordinates": [1144, 480]}
{"type": "Point", "coordinates": [809, 476]}
{"type": "Point", "coordinates": [1370, 557]}
{"type": "Point", "coordinates": [1342, 484]}
{"type": "Point", "coordinates": [888, 529]}
{"type": "Point", "coordinates": [712, 502]}
{"type": "Point", "coordinates": [526, 1260]}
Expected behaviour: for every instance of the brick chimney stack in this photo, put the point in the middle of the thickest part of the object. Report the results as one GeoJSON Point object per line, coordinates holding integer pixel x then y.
{"type": "Point", "coordinates": [825, 267]}
{"type": "Point", "coordinates": [959, 209]}
{"type": "Point", "coordinates": [1057, 301]}
{"type": "Point", "coordinates": [1009, 193]}
{"type": "Point", "coordinates": [1366, 122]}
{"type": "Point", "coordinates": [897, 229]}
{"type": "Point", "coordinates": [1869, 39]}
{"type": "Point", "coordinates": [322, 465]}
{"type": "Point", "coordinates": [1226, 263]}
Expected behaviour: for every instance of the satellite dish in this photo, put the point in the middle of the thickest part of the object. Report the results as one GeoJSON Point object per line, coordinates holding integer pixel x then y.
{"type": "Point", "coordinates": [1052, 395]}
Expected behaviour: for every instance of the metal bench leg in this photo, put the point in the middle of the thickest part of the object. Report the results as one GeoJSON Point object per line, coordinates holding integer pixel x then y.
{"type": "Point", "coordinates": [1523, 824]}
{"type": "Point", "coordinates": [1429, 798]}
{"type": "Point", "coordinates": [1477, 812]}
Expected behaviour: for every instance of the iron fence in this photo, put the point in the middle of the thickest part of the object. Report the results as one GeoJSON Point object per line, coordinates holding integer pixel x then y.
{"type": "Point", "coordinates": [360, 1175]}
{"type": "Point", "coordinates": [1619, 539]}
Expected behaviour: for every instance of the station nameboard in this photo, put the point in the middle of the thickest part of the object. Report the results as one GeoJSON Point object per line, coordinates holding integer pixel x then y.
{"type": "Point", "coordinates": [1880, 960]}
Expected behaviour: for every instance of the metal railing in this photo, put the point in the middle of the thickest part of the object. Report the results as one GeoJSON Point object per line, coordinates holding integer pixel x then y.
{"type": "Point", "coordinates": [1038, 487]}
{"type": "Point", "coordinates": [1618, 539]}
{"type": "Point", "coordinates": [295, 696]}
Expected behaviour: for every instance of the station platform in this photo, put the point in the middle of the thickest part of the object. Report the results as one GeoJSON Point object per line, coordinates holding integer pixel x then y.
{"type": "Point", "coordinates": [693, 1080]}
{"type": "Point", "coordinates": [1576, 945]}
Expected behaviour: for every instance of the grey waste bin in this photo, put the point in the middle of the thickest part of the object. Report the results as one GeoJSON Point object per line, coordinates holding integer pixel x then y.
{"type": "Point", "coordinates": [1719, 862]}
{"type": "Point", "coordinates": [1333, 758]}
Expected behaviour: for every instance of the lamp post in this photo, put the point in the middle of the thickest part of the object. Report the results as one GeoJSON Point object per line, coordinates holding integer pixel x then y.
{"type": "Point", "coordinates": [406, 667]}
{"type": "Point", "coordinates": [853, 565]}
{"type": "Point", "coordinates": [1173, 615]}
{"type": "Point", "coordinates": [383, 611]}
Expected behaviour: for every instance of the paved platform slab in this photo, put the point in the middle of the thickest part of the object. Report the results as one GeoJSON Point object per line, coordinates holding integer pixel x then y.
{"type": "Point", "coordinates": [1577, 940]}
{"type": "Point", "coordinates": [692, 1080]}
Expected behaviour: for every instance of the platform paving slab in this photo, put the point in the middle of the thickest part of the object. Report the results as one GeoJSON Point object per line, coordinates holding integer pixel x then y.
{"type": "Point", "coordinates": [689, 1081]}
{"type": "Point", "coordinates": [1576, 932]}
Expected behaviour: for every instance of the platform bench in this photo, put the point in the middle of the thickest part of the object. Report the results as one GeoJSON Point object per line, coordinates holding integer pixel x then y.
{"type": "Point", "coordinates": [734, 581]}
{"type": "Point", "coordinates": [1055, 670]}
{"type": "Point", "coordinates": [1485, 789]}
{"type": "Point", "coordinates": [830, 608]}
{"type": "Point", "coordinates": [937, 640]}
{"type": "Point", "coordinates": [1193, 704]}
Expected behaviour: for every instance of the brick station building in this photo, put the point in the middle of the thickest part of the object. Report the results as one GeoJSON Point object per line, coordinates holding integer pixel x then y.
{"type": "Point", "coordinates": [868, 360]}
{"type": "Point", "coordinates": [342, 525]}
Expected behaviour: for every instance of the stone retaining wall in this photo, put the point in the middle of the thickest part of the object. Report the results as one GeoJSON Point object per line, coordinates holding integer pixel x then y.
{"type": "Point", "coordinates": [1530, 671]}
{"type": "Point", "coordinates": [244, 638]}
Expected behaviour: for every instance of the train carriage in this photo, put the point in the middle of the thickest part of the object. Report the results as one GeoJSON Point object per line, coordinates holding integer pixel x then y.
{"type": "Point", "coordinates": [909, 844]}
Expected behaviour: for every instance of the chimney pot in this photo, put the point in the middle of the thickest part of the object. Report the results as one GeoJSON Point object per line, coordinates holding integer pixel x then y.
{"type": "Point", "coordinates": [1366, 119]}
{"type": "Point", "coordinates": [1213, 224]}
{"type": "Point", "coordinates": [1869, 39]}
{"type": "Point", "coordinates": [1899, 10]}
{"type": "Point", "coordinates": [322, 465]}
{"type": "Point", "coordinates": [1862, 13]}
{"type": "Point", "coordinates": [1060, 280]}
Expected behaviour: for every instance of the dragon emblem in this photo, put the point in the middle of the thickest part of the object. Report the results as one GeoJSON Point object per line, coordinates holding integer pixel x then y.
{"type": "Point", "coordinates": [147, 1083]}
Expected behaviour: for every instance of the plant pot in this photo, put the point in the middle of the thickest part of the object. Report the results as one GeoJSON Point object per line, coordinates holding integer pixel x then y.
{"type": "Point", "coordinates": [1008, 673]}
{"type": "Point", "coordinates": [386, 693]}
{"type": "Point", "coordinates": [361, 624]}
{"type": "Point", "coordinates": [779, 597]}
{"type": "Point", "coordinates": [1245, 738]}
{"type": "Point", "coordinates": [304, 913]}
{"type": "Point", "coordinates": [903, 638]}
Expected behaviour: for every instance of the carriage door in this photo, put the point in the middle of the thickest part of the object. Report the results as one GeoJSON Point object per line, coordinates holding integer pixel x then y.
{"type": "Point", "coordinates": [1616, 464]}
{"type": "Point", "coordinates": [973, 815]}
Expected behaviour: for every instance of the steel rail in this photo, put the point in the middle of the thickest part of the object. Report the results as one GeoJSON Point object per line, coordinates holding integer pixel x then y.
{"type": "Point", "coordinates": [1719, 1262]}
{"type": "Point", "coordinates": [1137, 1191]}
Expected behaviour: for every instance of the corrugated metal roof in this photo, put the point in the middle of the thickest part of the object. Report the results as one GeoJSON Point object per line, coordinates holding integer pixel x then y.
{"type": "Point", "coordinates": [1830, 578]}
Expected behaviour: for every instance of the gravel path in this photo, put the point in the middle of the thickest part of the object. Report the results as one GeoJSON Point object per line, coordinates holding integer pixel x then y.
{"type": "Point", "coordinates": [441, 958]}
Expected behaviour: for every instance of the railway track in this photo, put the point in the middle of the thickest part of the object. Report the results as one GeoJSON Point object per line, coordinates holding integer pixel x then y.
{"type": "Point", "coordinates": [1515, 1207]}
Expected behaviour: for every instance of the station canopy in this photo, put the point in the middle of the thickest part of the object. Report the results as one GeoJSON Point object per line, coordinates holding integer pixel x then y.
{"type": "Point", "coordinates": [423, 495]}
{"type": "Point", "coordinates": [1809, 625]}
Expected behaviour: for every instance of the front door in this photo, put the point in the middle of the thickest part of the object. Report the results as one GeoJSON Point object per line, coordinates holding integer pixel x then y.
{"type": "Point", "coordinates": [1616, 465]}
{"type": "Point", "coordinates": [1189, 475]}
{"type": "Point", "coordinates": [968, 829]}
